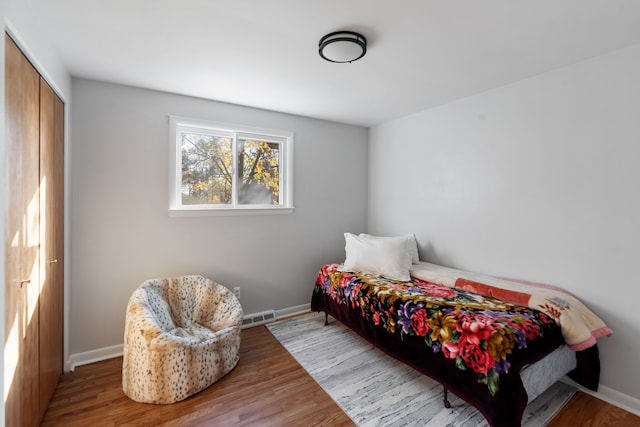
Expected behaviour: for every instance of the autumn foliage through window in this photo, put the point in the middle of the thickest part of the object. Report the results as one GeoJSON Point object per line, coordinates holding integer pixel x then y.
{"type": "Point", "coordinates": [228, 169]}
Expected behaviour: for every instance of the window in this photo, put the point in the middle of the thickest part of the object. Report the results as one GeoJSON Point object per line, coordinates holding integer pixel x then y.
{"type": "Point", "coordinates": [226, 169]}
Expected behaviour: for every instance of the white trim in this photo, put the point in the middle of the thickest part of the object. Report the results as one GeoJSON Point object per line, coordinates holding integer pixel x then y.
{"type": "Point", "coordinates": [182, 213]}
{"type": "Point", "coordinates": [67, 232]}
{"type": "Point", "coordinates": [99, 354]}
{"type": "Point", "coordinates": [609, 395]}
{"type": "Point", "coordinates": [621, 400]}
{"type": "Point", "coordinates": [284, 138]}
{"type": "Point", "coordinates": [292, 311]}
{"type": "Point", "coordinates": [228, 127]}
{"type": "Point", "coordinates": [84, 358]}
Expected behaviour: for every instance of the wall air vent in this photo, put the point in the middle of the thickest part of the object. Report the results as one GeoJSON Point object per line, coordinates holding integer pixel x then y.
{"type": "Point", "coordinates": [256, 319]}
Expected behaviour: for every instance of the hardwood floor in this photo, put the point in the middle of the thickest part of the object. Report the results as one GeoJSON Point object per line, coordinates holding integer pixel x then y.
{"type": "Point", "coordinates": [587, 411]}
{"type": "Point", "coordinates": [267, 388]}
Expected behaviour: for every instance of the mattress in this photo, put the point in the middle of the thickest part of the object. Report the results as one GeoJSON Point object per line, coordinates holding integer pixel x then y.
{"type": "Point", "coordinates": [540, 375]}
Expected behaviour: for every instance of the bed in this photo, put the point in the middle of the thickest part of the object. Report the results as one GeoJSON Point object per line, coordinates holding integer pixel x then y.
{"type": "Point", "coordinates": [495, 343]}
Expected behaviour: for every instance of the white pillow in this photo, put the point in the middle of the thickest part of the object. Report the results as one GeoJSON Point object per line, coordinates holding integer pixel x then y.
{"type": "Point", "coordinates": [383, 257]}
{"type": "Point", "coordinates": [410, 239]}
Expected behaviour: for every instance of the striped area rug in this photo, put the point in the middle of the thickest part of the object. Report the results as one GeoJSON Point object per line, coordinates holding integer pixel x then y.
{"type": "Point", "coordinates": [374, 389]}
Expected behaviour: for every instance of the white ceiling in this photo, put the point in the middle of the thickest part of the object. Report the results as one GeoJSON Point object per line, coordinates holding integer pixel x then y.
{"type": "Point", "coordinates": [264, 53]}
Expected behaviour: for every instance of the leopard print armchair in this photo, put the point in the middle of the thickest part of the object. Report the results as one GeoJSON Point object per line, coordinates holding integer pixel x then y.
{"type": "Point", "coordinates": [181, 335]}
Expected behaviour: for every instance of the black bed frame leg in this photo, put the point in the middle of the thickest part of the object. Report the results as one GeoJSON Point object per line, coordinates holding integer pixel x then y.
{"type": "Point", "coordinates": [326, 319]}
{"type": "Point", "coordinates": [446, 400]}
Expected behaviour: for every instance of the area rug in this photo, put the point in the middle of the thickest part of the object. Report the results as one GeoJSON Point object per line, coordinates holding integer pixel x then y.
{"type": "Point", "coordinates": [374, 389]}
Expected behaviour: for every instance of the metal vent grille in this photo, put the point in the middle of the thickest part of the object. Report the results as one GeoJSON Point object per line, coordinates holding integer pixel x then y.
{"type": "Point", "coordinates": [258, 319]}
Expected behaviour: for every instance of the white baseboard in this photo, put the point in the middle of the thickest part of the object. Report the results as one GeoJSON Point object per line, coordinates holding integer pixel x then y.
{"type": "Point", "coordinates": [609, 395]}
{"type": "Point", "coordinates": [97, 355]}
{"type": "Point", "coordinates": [292, 311]}
{"type": "Point", "coordinates": [84, 358]}
{"type": "Point", "coordinates": [618, 399]}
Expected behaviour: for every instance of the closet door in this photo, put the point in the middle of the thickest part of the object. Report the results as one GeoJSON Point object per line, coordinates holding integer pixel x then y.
{"type": "Point", "coordinates": [51, 242]}
{"type": "Point", "coordinates": [22, 264]}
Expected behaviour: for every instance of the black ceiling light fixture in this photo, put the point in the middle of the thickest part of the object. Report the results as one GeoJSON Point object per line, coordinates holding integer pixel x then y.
{"type": "Point", "coordinates": [342, 46]}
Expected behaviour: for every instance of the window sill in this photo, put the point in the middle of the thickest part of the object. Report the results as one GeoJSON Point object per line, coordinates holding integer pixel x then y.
{"type": "Point", "coordinates": [182, 213]}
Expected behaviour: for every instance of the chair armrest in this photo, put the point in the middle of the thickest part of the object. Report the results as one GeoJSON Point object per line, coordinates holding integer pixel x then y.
{"type": "Point", "coordinates": [228, 310]}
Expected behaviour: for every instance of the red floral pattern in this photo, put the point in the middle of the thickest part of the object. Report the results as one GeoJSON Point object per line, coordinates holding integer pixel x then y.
{"type": "Point", "coordinates": [475, 332]}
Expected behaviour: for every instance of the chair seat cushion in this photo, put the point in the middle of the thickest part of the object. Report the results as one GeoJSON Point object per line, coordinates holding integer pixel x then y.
{"type": "Point", "coordinates": [194, 334]}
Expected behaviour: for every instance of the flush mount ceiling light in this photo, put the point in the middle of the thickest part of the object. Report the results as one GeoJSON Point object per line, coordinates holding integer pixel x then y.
{"type": "Point", "coordinates": [342, 46]}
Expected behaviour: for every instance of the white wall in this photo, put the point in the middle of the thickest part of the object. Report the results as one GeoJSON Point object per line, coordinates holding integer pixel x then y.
{"type": "Point", "coordinates": [536, 180]}
{"type": "Point", "coordinates": [121, 232]}
{"type": "Point", "coordinates": [22, 25]}
{"type": "Point", "coordinates": [16, 18]}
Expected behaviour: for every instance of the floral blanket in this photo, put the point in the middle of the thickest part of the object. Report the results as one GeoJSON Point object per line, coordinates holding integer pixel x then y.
{"type": "Point", "coordinates": [474, 340]}
{"type": "Point", "coordinates": [580, 326]}
{"type": "Point", "coordinates": [476, 332]}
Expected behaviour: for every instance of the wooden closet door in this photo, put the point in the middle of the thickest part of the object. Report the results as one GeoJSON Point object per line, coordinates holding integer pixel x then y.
{"type": "Point", "coordinates": [22, 265]}
{"type": "Point", "coordinates": [51, 242]}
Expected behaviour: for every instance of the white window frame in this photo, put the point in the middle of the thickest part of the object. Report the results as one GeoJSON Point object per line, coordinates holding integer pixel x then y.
{"type": "Point", "coordinates": [285, 138]}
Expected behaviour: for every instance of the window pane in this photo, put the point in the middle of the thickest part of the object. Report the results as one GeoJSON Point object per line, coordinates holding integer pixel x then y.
{"type": "Point", "coordinates": [258, 172]}
{"type": "Point", "coordinates": [207, 168]}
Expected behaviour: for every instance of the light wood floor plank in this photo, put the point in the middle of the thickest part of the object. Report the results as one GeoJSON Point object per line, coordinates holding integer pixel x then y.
{"type": "Point", "coordinates": [267, 388]}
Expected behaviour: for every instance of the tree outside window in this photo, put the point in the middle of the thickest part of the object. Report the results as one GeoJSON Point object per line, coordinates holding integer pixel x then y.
{"type": "Point", "coordinates": [230, 169]}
